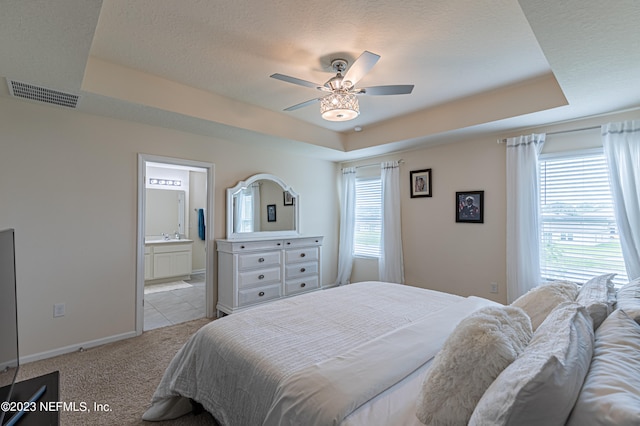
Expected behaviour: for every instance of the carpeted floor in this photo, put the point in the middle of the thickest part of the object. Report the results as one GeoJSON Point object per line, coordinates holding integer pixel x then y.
{"type": "Point", "coordinates": [123, 375]}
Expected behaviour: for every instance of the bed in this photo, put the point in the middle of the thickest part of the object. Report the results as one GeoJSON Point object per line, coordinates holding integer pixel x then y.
{"type": "Point", "coordinates": [352, 355]}
{"type": "Point", "coordinates": [377, 353]}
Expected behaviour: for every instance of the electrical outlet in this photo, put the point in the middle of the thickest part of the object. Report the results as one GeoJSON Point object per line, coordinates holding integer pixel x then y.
{"type": "Point", "coordinates": [58, 310]}
{"type": "Point", "coordinates": [494, 287]}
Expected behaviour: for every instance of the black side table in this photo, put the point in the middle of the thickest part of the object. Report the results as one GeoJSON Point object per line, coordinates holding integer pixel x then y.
{"type": "Point", "coordinates": [24, 390]}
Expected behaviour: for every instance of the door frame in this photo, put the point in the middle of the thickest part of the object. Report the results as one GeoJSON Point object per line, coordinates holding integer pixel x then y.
{"type": "Point", "coordinates": [143, 159]}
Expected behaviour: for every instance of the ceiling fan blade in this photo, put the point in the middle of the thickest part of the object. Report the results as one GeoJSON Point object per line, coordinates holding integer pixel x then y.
{"type": "Point", "coordinates": [298, 81]}
{"type": "Point", "coordinates": [361, 67]}
{"type": "Point", "coordinates": [302, 104]}
{"type": "Point", "coordinates": [403, 89]}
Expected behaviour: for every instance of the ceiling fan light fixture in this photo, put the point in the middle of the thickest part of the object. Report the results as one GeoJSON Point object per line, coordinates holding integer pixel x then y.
{"type": "Point", "coordinates": [339, 106]}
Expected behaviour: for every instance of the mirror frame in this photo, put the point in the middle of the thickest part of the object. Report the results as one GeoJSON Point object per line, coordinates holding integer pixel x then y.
{"type": "Point", "coordinates": [231, 235]}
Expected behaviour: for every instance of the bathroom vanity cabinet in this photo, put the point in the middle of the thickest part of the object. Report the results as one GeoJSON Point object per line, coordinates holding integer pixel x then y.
{"type": "Point", "coordinates": [251, 272]}
{"type": "Point", "coordinates": [167, 260]}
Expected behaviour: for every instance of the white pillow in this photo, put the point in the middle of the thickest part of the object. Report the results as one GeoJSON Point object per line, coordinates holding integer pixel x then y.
{"type": "Point", "coordinates": [628, 299]}
{"type": "Point", "coordinates": [542, 385]}
{"type": "Point", "coordinates": [611, 392]}
{"type": "Point", "coordinates": [598, 295]}
{"type": "Point", "coordinates": [540, 301]}
{"type": "Point", "coordinates": [481, 346]}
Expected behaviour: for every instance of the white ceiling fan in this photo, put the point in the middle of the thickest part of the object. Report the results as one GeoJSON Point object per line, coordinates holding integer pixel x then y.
{"type": "Point", "coordinates": [340, 102]}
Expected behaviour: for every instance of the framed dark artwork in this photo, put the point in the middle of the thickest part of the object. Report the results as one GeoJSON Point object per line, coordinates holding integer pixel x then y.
{"type": "Point", "coordinates": [420, 183]}
{"type": "Point", "coordinates": [271, 212]}
{"type": "Point", "coordinates": [470, 206]}
{"type": "Point", "coordinates": [288, 198]}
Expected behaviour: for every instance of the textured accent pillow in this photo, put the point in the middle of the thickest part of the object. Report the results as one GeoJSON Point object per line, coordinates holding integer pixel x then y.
{"type": "Point", "coordinates": [628, 299]}
{"type": "Point", "coordinates": [481, 346]}
{"type": "Point", "coordinates": [540, 301]}
{"type": "Point", "coordinates": [598, 295]}
{"type": "Point", "coordinates": [611, 391]}
{"type": "Point", "coordinates": [542, 385]}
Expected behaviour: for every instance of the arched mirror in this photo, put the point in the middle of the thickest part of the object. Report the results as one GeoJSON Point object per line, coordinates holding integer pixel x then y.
{"type": "Point", "coordinates": [262, 206]}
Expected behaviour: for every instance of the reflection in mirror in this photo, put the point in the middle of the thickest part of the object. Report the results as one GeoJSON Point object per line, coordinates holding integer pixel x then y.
{"type": "Point", "coordinates": [165, 212]}
{"type": "Point", "coordinates": [246, 209]}
{"type": "Point", "coordinates": [262, 205]}
{"type": "Point", "coordinates": [250, 208]}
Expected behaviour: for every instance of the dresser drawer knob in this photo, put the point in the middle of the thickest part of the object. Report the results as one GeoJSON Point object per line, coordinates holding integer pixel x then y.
{"type": "Point", "coordinates": [241, 247]}
{"type": "Point", "coordinates": [261, 260]}
{"type": "Point", "coordinates": [303, 269]}
{"type": "Point", "coordinates": [261, 294]}
{"type": "Point", "coordinates": [261, 276]}
{"type": "Point", "coordinates": [303, 284]}
{"type": "Point", "coordinates": [302, 255]}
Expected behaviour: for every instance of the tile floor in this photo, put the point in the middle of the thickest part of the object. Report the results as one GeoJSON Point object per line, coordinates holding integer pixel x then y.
{"type": "Point", "coordinates": [166, 308]}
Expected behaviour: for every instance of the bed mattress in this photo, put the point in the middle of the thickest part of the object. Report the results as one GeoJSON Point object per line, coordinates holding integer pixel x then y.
{"type": "Point", "coordinates": [337, 356]}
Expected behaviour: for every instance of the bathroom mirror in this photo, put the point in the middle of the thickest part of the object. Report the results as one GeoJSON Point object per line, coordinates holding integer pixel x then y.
{"type": "Point", "coordinates": [164, 212]}
{"type": "Point", "coordinates": [262, 206]}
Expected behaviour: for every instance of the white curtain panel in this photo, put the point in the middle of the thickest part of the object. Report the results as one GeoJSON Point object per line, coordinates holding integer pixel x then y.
{"type": "Point", "coordinates": [523, 210]}
{"type": "Point", "coordinates": [390, 265]}
{"type": "Point", "coordinates": [238, 207]}
{"type": "Point", "coordinates": [347, 225]}
{"type": "Point", "coordinates": [254, 191]}
{"type": "Point", "coordinates": [621, 143]}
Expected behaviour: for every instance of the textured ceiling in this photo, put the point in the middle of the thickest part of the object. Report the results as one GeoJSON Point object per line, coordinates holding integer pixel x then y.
{"type": "Point", "coordinates": [231, 48]}
{"type": "Point", "coordinates": [204, 66]}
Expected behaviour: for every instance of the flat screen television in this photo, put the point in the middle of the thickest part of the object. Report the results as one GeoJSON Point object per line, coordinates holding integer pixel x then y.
{"type": "Point", "coordinates": [9, 359]}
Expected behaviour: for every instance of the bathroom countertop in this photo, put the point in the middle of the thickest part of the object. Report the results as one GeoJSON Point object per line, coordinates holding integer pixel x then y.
{"type": "Point", "coordinates": [171, 241]}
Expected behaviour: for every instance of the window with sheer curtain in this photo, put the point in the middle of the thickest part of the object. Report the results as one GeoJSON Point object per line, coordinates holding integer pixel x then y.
{"type": "Point", "coordinates": [246, 213]}
{"type": "Point", "coordinates": [579, 237]}
{"type": "Point", "coordinates": [368, 212]}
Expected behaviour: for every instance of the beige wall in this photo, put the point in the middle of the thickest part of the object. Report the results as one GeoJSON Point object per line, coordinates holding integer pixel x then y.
{"type": "Point", "coordinates": [440, 254]}
{"type": "Point", "coordinates": [460, 258]}
{"type": "Point", "coordinates": [465, 258]}
{"type": "Point", "coordinates": [68, 185]}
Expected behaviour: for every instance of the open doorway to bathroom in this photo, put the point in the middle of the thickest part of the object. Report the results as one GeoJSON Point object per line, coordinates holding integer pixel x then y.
{"type": "Point", "coordinates": [174, 280]}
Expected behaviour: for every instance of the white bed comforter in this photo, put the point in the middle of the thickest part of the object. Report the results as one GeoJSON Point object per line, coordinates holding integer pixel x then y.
{"type": "Point", "coordinates": [312, 359]}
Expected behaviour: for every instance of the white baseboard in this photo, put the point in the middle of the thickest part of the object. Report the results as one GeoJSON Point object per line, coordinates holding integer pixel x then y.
{"type": "Point", "coordinates": [72, 348]}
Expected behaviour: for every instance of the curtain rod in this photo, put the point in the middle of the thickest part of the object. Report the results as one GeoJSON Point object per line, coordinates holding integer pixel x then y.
{"type": "Point", "coordinates": [400, 161]}
{"type": "Point", "coordinates": [559, 132]}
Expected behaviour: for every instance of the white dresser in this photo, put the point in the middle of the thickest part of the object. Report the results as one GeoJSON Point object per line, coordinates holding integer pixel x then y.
{"type": "Point", "coordinates": [251, 272]}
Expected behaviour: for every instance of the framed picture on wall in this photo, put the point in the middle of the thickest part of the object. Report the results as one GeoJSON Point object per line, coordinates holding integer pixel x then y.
{"type": "Point", "coordinates": [288, 198]}
{"type": "Point", "coordinates": [470, 206]}
{"type": "Point", "coordinates": [420, 183]}
{"type": "Point", "coordinates": [271, 213]}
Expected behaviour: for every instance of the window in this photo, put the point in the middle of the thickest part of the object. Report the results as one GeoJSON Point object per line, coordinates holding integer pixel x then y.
{"type": "Point", "coordinates": [244, 206]}
{"type": "Point", "coordinates": [368, 226]}
{"type": "Point", "coordinates": [579, 236]}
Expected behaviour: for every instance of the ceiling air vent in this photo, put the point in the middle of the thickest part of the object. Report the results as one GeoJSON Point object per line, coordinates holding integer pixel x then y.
{"type": "Point", "coordinates": [42, 94]}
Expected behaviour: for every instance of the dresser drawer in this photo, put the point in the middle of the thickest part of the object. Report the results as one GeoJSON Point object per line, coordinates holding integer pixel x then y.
{"type": "Point", "coordinates": [301, 285]}
{"type": "Point", "coordinates": [301, 255]}
{"type": "Point", "coordinates": [258, 260]}
{"type": "Point", "coordinates": [303, 242]}
{"type": "Point", "coordinates": [242, 246]}
{"type": "Point", "coordinates": [258, 294]}
{"type": "Point", "coordinates": [301, 269]}
{"type": "Point", "coordinates": [267, 275]}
